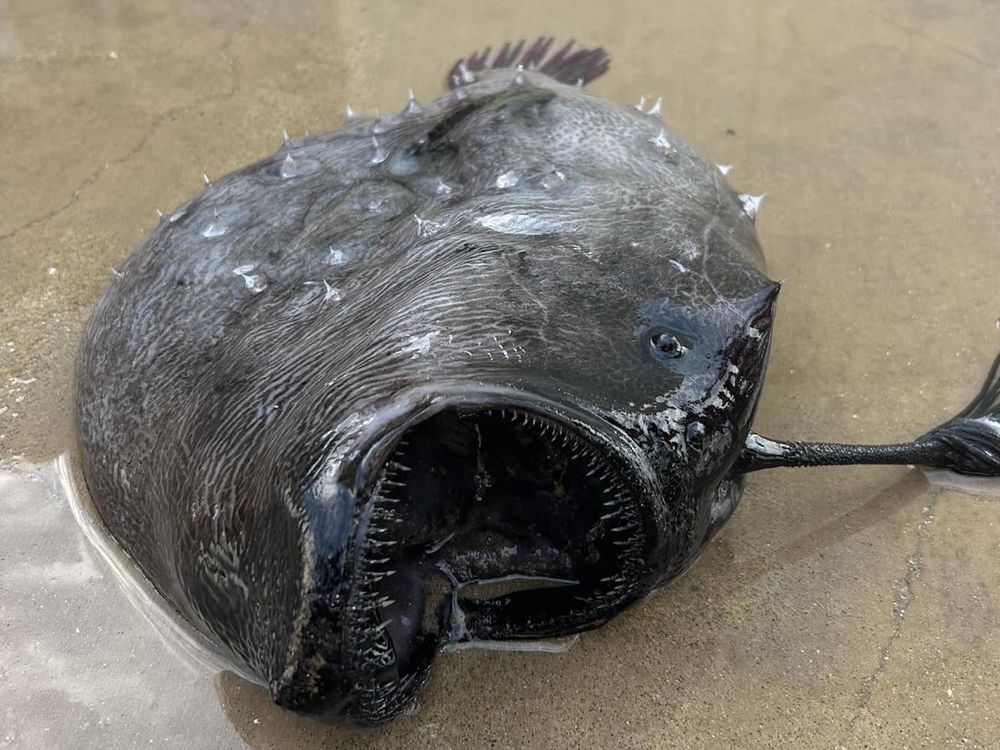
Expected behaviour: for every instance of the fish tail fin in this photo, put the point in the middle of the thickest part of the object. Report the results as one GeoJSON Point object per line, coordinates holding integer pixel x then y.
{"type": "Point", "coordinates": [566, 65]}
{"type": "Point", "coordinates": [968, 443]}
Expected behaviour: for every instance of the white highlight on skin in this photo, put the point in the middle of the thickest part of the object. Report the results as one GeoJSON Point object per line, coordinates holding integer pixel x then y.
{"type": "Point", "coordinates": [763, 446]}
{"type": "Point", "coordinates": [215, 228]}
{"type": "Point", "coordinates": [507, 180]}
{"type": "Point", "coordinates": [661, 142]}
{"type": "Point", "coordinates": [330, 293]}
{"type": "Point", "coordinates": [689, 249]}
{"type": "Point", "coordinates": [419, 345]}
{"type": "Point", "coordinates": [427, 227]}
{"type": "Point", "coordinates": [520, 224]}
{"type": "Point", "coordinates": [254, 282]}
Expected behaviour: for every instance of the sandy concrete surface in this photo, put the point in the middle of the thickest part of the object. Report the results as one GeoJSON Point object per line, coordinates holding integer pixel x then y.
{"type": "Point", "coordinates": [849, 607]}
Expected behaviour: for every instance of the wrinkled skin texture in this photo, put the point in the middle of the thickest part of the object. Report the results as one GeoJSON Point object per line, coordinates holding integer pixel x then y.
{"type": "Point", "coordinates": [522, 246]}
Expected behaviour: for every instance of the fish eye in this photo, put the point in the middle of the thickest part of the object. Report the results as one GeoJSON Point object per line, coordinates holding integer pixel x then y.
{"type": "Point", "coordinates": [665, 344]}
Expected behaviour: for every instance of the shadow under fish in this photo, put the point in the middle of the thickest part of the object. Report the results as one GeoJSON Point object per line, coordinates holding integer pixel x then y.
{"type": "Point", "coordinates": [480, 371]}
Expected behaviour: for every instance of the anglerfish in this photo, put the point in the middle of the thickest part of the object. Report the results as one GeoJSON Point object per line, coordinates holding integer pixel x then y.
{"type": "Point", "coordinates": [480, 371]}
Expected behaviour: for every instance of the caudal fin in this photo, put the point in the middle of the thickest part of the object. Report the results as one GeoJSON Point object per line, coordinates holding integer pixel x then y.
{"type": "Point", "coordinates": [968, 443]}
{"type": "Point", "coordinates": [567, 65]}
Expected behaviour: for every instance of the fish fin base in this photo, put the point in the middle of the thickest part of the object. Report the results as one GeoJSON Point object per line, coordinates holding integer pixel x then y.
{"type": "Point", "coordinates": [566, 65]}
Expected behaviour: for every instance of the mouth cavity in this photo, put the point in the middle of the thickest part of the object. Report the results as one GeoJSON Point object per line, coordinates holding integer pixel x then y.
{"type": "Point", "coordinates": [486, 525]}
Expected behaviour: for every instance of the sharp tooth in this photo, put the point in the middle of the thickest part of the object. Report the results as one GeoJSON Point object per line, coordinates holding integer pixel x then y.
{"type": "Point", "coordinates": [412, 108]}
{"type": "Point", "coordinates": [626, 527]}
{"type": "Point", "coordinates": [655, 109]}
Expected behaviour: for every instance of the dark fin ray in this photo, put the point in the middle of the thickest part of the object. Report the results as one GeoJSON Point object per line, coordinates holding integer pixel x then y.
{"type": "Point", "coordinates": [969, 443]}
{"type": "Point", "coordinates": [566, 65]}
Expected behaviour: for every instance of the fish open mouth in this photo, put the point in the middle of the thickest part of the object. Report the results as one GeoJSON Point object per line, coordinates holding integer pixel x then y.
{"type": "Point", "coordinates": [487, 524]}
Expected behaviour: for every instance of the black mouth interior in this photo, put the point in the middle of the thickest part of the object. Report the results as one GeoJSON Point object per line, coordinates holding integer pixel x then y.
{"type": "Point", "coordinates": [488, 525]}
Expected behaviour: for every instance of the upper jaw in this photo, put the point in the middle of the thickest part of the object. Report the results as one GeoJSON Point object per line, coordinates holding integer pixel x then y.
{"type": "Point", "coordinates": [382, 431]}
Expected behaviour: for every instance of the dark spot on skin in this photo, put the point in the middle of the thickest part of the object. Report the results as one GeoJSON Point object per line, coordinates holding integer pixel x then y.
{"type": "Point", "coordinates": [730, 131]}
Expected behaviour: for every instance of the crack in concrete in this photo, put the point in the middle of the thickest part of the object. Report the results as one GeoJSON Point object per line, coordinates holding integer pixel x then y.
{"type": "Point", "coordinates": [904, 596]}
{"type": "Point", "coordinates": [900, 605]}
{"type": "Point", "coordinates": [150, 131]}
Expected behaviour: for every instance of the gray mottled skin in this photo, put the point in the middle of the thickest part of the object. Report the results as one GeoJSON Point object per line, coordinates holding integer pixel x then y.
{"type": "Point", "coordinates": [514, 242]}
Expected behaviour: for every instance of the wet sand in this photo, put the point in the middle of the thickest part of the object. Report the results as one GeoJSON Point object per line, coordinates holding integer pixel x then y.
{"type": "Point", "coordinates": [851, 607]}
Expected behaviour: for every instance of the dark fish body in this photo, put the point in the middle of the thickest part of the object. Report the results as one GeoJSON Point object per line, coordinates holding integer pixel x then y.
{"type": "Point", "coordinates": [476, 371]}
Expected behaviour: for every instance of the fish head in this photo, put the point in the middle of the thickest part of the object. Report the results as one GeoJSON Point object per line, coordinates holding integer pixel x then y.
{"type": "Point", "coordinates": [539, 436]}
